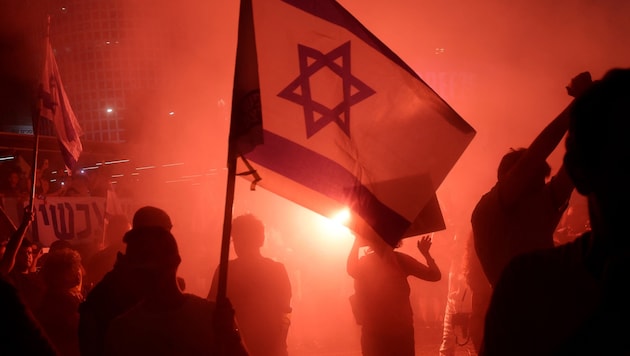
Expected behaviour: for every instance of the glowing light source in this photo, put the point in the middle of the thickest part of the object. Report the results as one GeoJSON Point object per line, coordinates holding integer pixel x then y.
{"type": "Point", "coordinates": [109, 110]}
{"type": "Point", "coordinates": [335, 225]}
{"type": "Point", "coordinates": [7, 158]}
{"type": "Point", "coordinates": [342, 217]}
{"type": "Point", "coordinates": [333, 238]}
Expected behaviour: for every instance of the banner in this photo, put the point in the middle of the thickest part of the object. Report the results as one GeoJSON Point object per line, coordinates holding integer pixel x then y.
{"type": "Point", "coordinates": [79, 220]}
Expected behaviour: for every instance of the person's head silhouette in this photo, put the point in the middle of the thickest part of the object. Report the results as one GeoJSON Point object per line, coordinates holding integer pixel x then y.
{"type": "Point", "coordinates": [597, 149]}
{"type": "Point", "coordinates": [248, 235]}
{"type": "Point", "coordinates": [151, 216]}
{"type": "Point", "coordinates": [152, 257]}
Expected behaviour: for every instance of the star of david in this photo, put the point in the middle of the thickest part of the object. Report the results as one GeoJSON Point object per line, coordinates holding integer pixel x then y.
{"type": "Point", "coordinates": [299, 91]}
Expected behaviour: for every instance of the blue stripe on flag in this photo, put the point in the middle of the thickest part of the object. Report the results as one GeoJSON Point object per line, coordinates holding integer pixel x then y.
{"type": "Point", "coordinates": [327, 177]}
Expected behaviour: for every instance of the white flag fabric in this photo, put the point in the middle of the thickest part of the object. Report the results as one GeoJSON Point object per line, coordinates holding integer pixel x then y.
{"type": "Point", "coordinates": [55, 106]}
{"type": "Point", "coordinates": [345, 122]}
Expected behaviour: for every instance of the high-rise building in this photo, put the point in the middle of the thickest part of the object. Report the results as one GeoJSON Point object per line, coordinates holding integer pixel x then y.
{"type": "Point", "coordinates": [108, 62]}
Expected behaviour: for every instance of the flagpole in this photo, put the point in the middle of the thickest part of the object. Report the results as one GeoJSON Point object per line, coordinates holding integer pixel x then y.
{"type": "Point", "coordinates": [35, 121]}
{"type": "Point", "coordinates": [35, 158]}
{"type": "Point", "coordinates": [239, 126]}
{"type": "Point", "coordinates": [228, 336]}
{"type": "Point", "coordinates": [227, 227]}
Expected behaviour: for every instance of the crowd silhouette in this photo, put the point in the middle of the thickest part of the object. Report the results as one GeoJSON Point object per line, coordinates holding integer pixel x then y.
{"type": "Point", "coordinates": [568, 300]}
{"type": "Point", "coordinates": [529, 294]}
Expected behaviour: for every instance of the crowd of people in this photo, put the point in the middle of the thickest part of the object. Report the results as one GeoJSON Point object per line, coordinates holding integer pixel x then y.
{"type": "Point", "coordinates": [526, 293]}
{"type": "Point", "coordinates": [18, 177]}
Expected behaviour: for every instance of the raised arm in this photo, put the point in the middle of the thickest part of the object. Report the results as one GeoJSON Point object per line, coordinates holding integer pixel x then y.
{"type": "Point", "coordinates": [429, 272]}
{"type": "Point", "coordinates": [518, 178]}
{"type": "Point", "coordinates": [8, 259]}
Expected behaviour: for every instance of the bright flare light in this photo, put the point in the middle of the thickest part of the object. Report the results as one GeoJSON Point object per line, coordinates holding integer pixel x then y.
{"type": "Point", "coordinates": [334, 227]}
{"type": "Point", "coordinates": [333, 237]}
{"type": "Point", "coordinates": [342, 217]}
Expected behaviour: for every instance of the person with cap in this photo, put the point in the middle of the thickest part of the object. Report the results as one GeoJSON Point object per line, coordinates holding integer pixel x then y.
{"type": "Point", "coordinates": [116, 293]}
{"type": "Point", "coordinates": [167, 321]}
{"type": "Point", "coordinates": [151, 216]}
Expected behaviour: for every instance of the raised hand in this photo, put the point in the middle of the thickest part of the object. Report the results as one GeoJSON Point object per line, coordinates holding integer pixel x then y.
{"type": "Point", "coordinates": [28, 217]}
{"type": "Point", "coordinates": [424, 244]}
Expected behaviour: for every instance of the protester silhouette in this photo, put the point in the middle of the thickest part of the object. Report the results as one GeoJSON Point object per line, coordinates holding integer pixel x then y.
{"type": "Point", "coordinates": [381, 301]}
{"type": "Point", "coordinates": [24, 275]}
{"type": "Point", "coordinates": [521, 212]}
{"type": "Point", "coordinates": [15, 186]}
{"type": "Point", "coordinates": [21, 333]}
{"type": "Point", "coordinates": [7, 261]}
{"type": "Point", "coordinates": [167, 321]}
{"type": "Point", "coordinates": [467, 301]}
{"type": "Point", "coordinates": [571, 299]}
{"type": "Point", "coordinates": [259, 290]}
{"type": "Point", "coordinates": [58, 314]}
{"type": "Point", "coordinates": [116, 293]}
